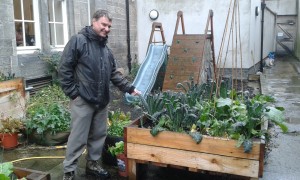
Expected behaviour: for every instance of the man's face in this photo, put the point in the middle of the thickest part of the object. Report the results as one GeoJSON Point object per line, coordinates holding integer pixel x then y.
{"type": "Point", "coordinates": [102, 26]}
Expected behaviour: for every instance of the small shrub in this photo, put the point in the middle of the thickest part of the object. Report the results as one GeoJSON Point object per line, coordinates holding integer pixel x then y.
{"type": "Point", "coordinates": [117, 120]}
{"type": "Point", "coordinates": [48, 111]}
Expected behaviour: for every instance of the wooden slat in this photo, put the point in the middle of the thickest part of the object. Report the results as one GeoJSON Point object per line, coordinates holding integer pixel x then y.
{"type": "Point", "coordinates": [186, 51]}
{"type": "Point", "coordinates": [38, 175]}
{"type": "Point", "coordinates": [212, 145]}
{"type": "Point", "coordinates": [12, 98]}
{"type": "Point", "coordinates": [204, 161]}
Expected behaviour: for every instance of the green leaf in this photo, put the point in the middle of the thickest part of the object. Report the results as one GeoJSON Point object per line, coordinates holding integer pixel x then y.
{"type": "Point", "coordinates": [247, 145]}
{"type": "Point", "coordinates": [196, 136]}
{"type": "Point", "coordinates": [6, 168]}
{"type": "Point", "coordinates": [224, 102]}
{"type": "Point", "coordinates": [155, 130]}
{"type": "Point", "coordinates": [276, 116]}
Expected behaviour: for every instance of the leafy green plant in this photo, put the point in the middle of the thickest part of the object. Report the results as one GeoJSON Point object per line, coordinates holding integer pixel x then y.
{"type": "Point", "coordinates": [117, 120]}
{"type": "Point", "coordinates": [134, 70]}
{"type": "Point", "coordinates": [117, 149]}
{"type": "Point", "coordinates": [197, 113]}
{"type": "Point", "coordinates": [47, 111]}
{"type": "Point", "coordinates": [52, 59]}
{"type": "Point", "coordinates": [10, 125]}
{"type": "Point", "coordinates": [5, 170]}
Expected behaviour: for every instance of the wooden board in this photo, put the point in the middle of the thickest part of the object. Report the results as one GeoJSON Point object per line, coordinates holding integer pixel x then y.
{"type": "Point", "coordinates": [185, 60]}
{"type": "Point", "coordinates": [12, 98]}
{"type": "Point", "coordinates": [211, 154]}
{"type": "Point", "coordinates": [30, 174]}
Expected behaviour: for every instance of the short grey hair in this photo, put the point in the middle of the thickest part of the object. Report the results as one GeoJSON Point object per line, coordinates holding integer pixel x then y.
{"type": "Point", "coordinates": [101, 13]}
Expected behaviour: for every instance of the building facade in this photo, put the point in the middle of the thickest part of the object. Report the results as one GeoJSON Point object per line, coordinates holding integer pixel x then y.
{"type": "Point", "coordinates": [31, 28]}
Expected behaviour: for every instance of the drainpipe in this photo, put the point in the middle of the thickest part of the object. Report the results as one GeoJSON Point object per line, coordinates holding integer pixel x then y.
{"type": "Point", "coordinates": [263, 6]}
{"type": "Point", "coordinates": [128, 37]}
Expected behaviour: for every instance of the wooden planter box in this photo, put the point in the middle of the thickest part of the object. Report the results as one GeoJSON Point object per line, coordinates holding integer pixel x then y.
{"type": "Point", "coordinates": [30, 174]}
{"type": "Point", "coordinates": [177, 149]}
{"type": "Point", "coordinates": [12, 98]}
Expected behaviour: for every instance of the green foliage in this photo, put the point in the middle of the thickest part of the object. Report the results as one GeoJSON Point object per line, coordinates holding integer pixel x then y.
{"type": "Point", "coordinates": [47, 111]}
{"type": "Point", "coordinates": [5, 170]}
{"type": "Point", "coordinates": [117, 120]}
{"type": "Point", "coordinates": [117, 149]}
{"type": "Point", "coordinates": [10, 125]}
{"type": "Point", "coordinates": [197, 112]}
{"type": "Point", "coordinates": [52, 60]}
{"type": "Point", "coordinates": [134, 70]}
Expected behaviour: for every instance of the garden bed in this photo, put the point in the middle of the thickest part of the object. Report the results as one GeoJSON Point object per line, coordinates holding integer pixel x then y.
{"type": "Point", "coordinates": [177, 149]}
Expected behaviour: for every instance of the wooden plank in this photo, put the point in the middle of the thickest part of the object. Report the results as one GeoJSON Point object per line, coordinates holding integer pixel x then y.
{"type": "Point", "coordinates": [131, 169]}
{"type": "Point", "coordinates": [212, 145]}
{"type": "Point", "coordinates": [188, 37]}
{"type": "Point", "coordinates": [12, 105]}
{"type": "Point", "coordinates": [23, 172]}
{"type": "Point", "coordinates": [203, 161]}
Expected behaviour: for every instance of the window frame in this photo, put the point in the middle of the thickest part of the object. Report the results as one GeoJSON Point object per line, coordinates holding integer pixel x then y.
{"type": "Point", "coordinates": [36, 21]}
{"type": "Point", "coordinates": [64, 23]}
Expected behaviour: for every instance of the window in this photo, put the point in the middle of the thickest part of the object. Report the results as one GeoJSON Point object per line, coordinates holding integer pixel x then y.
{"type": "Point", "coordinates": [57, 23]}
{"type": "Point", "coordinates": [26, 24]}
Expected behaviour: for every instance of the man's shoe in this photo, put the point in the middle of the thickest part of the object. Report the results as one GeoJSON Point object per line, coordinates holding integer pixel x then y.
{"type": "Point", "coordinates": [93, 168]}
{"type": "Point", "coordinates": [69, 175]}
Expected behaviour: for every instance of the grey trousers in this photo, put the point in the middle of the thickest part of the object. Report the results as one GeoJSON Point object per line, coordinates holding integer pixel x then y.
{"type": "Point", "coordinates": [88, 130]}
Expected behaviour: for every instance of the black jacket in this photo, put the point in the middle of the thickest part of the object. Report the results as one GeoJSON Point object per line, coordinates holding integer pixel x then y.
{"type": "Point", "coordinates": [86, 68]}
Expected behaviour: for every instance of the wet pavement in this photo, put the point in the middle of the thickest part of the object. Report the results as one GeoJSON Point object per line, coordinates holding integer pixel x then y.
{"type": "Point", "coordinates": [282, 162]}
{"type": "Point", "coordinates": [282, 81]}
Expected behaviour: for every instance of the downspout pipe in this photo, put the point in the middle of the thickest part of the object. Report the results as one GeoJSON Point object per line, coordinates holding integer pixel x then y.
{"type": "Point", "coordinates": [128, 37]}
{"type": "Point", "coordinates": [263, 6]}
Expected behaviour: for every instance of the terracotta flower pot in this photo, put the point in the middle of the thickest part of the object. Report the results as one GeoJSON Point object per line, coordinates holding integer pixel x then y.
{"type": "Point", "coordinates": [9, 140]}
{"type": "Point", "coordinates": [122, 165]}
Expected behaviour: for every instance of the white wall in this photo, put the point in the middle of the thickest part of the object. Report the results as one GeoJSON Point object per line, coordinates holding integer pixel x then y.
{"type": "Point", "coordinates": [195, 14]}
{"type": "Point", "coordinates": [298, 34]}
{"type": "Point", "coordinates": [283, 7]}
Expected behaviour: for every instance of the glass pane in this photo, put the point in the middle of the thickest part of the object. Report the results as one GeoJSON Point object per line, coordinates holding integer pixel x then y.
{"type": "Point", "coordinates": [19, 34]}
{"type": "Point", "coordinates": [17, 9]}
{"type": "Point", "coordinates": [58, 11]}
{"type": "Point", "coordinates": [50, 11]}
{"type": "Point", "coordinates": [28, 9]}
{"type": "Point", "coordinates": [29, 34]}
{"type": "Point", "coordinates": [59, 34]}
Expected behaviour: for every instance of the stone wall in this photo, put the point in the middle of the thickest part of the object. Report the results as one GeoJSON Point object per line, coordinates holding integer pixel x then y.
{"type": "Point", "coordinates": [7, 37]}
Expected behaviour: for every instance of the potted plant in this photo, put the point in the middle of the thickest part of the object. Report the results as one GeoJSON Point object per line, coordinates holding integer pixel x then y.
{"type": "Point", "coordinates": [48, 117]}
{"type": "Point", "coordinates": [118, 151]}
{"type": "Point", "coordinates": [221, 129]}
{"type": "Point", "coordinates": [116, 121]}
{"type": "Point", "coordinates": [9, 129]}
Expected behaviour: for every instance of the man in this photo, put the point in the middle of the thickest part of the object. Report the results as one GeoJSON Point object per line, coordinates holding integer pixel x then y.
{"type": "Point", "coordinates": [87, 66]}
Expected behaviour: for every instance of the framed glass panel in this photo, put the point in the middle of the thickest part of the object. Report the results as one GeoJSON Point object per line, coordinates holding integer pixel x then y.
{"type": "Point", "coordinates": [60, 34]}
{"type": "Point", "coordinates": [26, 24]}
{"type": "Point", "coordinates": [28, 10]}
{"type": "Point", "coordinates": [57, 22]}
{"type": "Point", "coordinates": [17, 9]}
